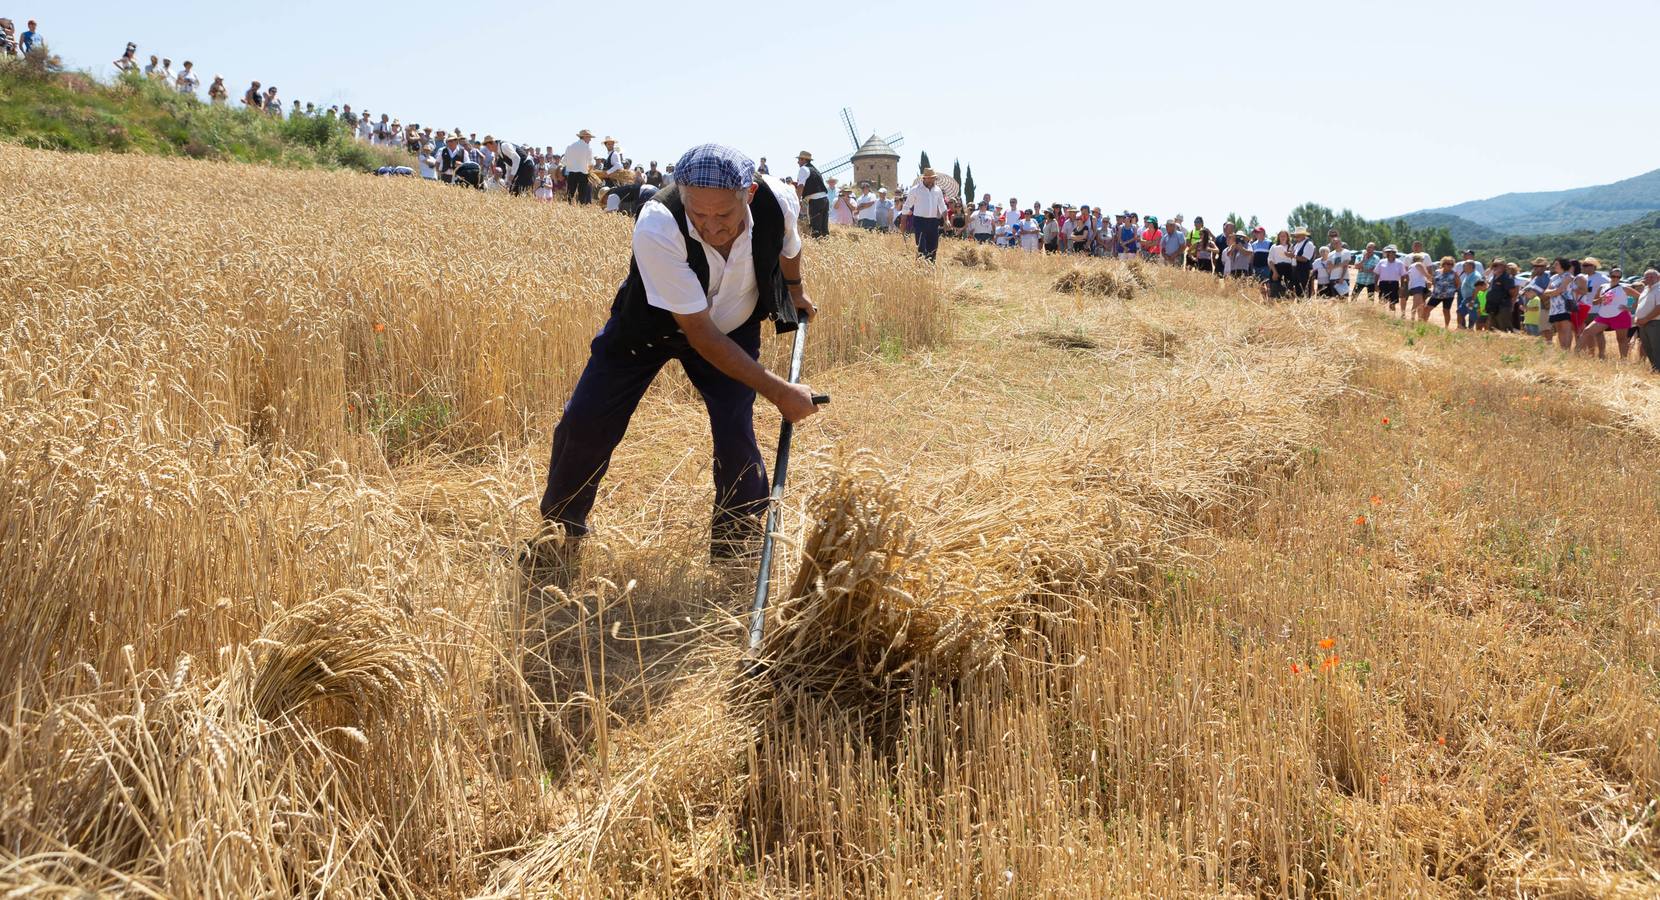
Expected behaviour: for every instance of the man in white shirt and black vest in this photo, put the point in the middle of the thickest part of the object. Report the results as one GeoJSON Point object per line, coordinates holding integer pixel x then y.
{"type": "Point", "coordinates": [926, 204]}
{"type": "Point", "coordinates": [809, 187]}
{"type": "Point", "coordinates": [1303, 249]}
{"type": "Point", "coordinates": [518, 168]}
{"type": "Point", "coordinates": [714, 256]}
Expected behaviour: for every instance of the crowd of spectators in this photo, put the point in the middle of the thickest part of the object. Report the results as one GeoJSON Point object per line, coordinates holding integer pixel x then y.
{"type": "Point", "coordinates": [1565, 302]}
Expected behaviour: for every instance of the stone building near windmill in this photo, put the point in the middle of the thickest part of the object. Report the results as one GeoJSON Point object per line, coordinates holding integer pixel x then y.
{"type": "Point", "coordinates": [877, 163]}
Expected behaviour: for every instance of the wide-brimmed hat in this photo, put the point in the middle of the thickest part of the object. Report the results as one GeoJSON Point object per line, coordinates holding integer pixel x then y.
{"type": "Point", "coordinates": [489, 139]}
{"type": "Point", "coordinates": [585, 134]}
{"type": "Point", "coordinates": [928, 173]}
{"type": "Point", "coordinates": [804, 155]}
{"type": "Point", "coordinates": [1391, 249]}
{"type": "Point", "coordinates": [609, 140]}
{"type": "Point", "coordinates": [1591, 261]}
{"type": "Point", "coordinates": [1302, 230]}
{"type": "Point", "coordinates": [1537, 261]}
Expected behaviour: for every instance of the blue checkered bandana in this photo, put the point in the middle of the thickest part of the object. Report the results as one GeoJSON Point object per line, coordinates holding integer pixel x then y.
{"type": "Point", "coordinates": [714, 166]}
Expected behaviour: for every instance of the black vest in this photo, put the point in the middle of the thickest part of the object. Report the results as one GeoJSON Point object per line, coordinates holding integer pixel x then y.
{"type": "Point", "coordinates": [636, 324]}
{"type": "Point", "coordinates": [814, 183]}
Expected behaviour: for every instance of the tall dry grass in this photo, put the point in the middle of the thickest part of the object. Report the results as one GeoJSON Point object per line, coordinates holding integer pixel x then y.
{"type": "Point", "coordinates": [1088, 595]}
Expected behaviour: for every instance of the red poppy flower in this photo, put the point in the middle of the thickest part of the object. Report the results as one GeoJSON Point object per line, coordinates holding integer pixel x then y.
{"type": "Point", "coordinates": [1376, 500]}
{"type": "Point", "coordinates": [1327, 643]}
{"type": "Point", "coordinates": [380, 327]}
{"type": "Point", "coordinates": [1360, 520]}
{"type": "Point", "coordinates": [1386, 420]}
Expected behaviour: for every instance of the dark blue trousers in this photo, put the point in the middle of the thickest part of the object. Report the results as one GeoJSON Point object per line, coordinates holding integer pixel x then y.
{"type": "Point", "coordinates": [597, 415]}
{"type": "Point", "coordinates": [927, 236]}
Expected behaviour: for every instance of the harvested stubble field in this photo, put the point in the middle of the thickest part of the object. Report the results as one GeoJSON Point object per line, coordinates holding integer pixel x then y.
{"type": "Point", "coordinates": [1102, 582]}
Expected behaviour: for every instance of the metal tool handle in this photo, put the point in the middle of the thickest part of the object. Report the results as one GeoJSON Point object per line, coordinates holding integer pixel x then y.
{"type": "Point", "coordinates": [780, 471]}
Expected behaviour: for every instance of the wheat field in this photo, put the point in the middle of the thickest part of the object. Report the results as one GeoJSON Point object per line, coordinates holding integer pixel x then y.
{"type": "Point", "coordinates": [1099, 580]}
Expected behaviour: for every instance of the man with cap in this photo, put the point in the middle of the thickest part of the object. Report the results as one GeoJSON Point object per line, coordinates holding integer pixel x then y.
{"type": "Point", "coordinates": [810, 189]}
{"type": "Point", "coordinates": [714, 255]}
{"type": "Point", "coordinates": [926, 204]}
{"type": "Point", "coordinates": [1304, 250]}
{"type": "Point", "coordinates": [577, 159]}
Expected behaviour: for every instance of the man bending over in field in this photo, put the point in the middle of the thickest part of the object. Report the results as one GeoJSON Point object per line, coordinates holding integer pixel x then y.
{"type": "Point", "coordinates": [714, 255]}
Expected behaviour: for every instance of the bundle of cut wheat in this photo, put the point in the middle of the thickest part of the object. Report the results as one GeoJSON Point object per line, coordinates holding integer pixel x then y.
{"type": "Point", "coordinates": [1108, 280]}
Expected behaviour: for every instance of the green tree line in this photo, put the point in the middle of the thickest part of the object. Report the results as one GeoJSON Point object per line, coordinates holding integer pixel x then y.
{"type": "Point", "coordinates": [1358, 232]}
{"type": "Point", "coordinates": [1634, 245]}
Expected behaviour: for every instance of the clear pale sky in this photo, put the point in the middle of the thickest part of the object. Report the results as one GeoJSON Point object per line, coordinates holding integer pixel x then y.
{"type": "Point", "coordinates": [1202, 108]}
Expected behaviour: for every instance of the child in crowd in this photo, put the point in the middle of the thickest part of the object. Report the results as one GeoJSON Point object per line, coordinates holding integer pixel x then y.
{"type": "Point", "coordinates": [1481, 304]}
{"type": "Point", "coordinates": [1530, 310]}
{"type": "Point", "coordinates": [1467, 295]}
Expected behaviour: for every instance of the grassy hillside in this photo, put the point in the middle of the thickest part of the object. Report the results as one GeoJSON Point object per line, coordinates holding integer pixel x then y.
{"type": "Point", "coordinates": [1551, 212]}
{"type": "Point", "coordinates": [1641, 241]}
{"type": "Point", "coordinates": [73, 111]}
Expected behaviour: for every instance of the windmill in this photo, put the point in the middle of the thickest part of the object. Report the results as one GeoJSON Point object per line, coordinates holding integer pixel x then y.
{"type": "Point", "coordinates": [877, 151]}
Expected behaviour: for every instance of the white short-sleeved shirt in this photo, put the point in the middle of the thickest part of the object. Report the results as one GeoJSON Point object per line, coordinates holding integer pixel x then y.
{"type": "Point", "coordinates": [1416, 277]}
{"type": "Point", "coordinates": [1595, 284]}
{"type": "Point", "coordinates": [1390, 270]}
{"type": "Point", "coordinates": [670, 283]}
{"type": "Point", "coordinates": [1649, 300]}
{"type": "Point", "coordinates": [1610, 303]}
{"type": "Point", "coordinates": [869, 212]}
{"type": "Point", "coordinates": [801, 176]}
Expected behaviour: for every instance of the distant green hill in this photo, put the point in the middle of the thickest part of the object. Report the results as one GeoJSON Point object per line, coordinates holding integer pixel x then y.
{"type": "Point", "coordinates": [1465, 233]}
{"type": "Point", "coordinates": [1552, 212]}
{"type": "Point", "coordinates": [41, 107]}
{"type": "Point", "coordinates": [1641, 239]}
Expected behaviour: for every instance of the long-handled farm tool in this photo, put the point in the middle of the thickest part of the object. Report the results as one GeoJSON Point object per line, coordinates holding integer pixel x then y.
{"type": "Point", "coordinates": [780, 471]}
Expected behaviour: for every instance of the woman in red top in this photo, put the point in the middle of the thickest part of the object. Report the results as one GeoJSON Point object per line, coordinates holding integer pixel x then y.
{"type": "Point", "coordinates": [1151, 236]}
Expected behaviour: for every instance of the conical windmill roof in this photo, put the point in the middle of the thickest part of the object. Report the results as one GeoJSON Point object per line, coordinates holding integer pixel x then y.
{"type": "Point", "coordinates": [875, 146]}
